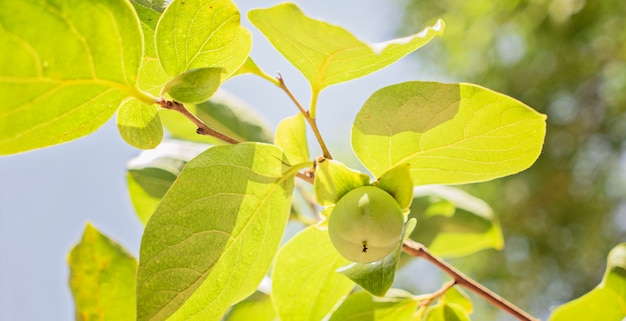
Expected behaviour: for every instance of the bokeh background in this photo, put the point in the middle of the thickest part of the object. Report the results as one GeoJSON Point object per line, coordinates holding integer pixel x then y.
{"type": "Point", "coordinates": [565, 58]}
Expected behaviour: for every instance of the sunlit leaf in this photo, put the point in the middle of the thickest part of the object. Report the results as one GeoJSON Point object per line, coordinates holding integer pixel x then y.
{"type": "Point", "coordinates": [155, 5]}
{"type": "Point", "coordinates": [333, 179]}
{"type": "Point", "coordinates": [257, 307]}
{"type": "Point", "coordinates": [327, 54]}
{"type": "Point", "coordinates": [194, 86]}
{"type": "Point", "coordinates": [449, 133]}
{"type": "Point", "coordinates": [291, 138]}
{"type": "Point", "coordinates": [139, 124]}
{"type": "Point", "coordinates": [148, 18]}
{"type": "Point", "coordinates": [446, 312]}
{"type": "Point", "coordinates": [214, 234]}
{"type": "Point", "coordinates": [152, 173]}
{"type": "Point", "coordinates": [453, 223]}
{"type": "Point", "coordinates": [362, 306]}
{"type": "Point", "coordinates": [224, 113]}
{"type": "Point", "coordinates": [196, 33]}
{"type": "Point", "coordinates": [606, 302]}
{"type": "Point", "coordinates": [102, 279]}
{"type": "Point", "coordinates": [65, 66]}
{"type": "Point", "coordinates": [305, 285]}
{"type": "Point", "coordinates": [397, 182]}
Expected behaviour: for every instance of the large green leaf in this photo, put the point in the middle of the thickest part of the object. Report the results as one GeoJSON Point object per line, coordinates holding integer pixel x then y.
{"type": "Point", "coordinates": [607, 302]}
{"type": "Point", "coordinates": [327, 54]}
{"type": "Point", "coordinates": [305, 285]}
{"type": "Point", "coordinates": [362, 306]}
{"type": "Point", "coordinates": [453, 223]}
{"type": "Point", "coordinates": [65, 66]}
{"type": "Point", "coordinates": [202, 33]}
{"type": "Point", "coordinates": [152, 173]}
{"type": "Point", "coordinates": [214, 234]}
{"type": "Point", "coordinates": [224, 113]}
{"type": "Point", "coordinates": [102, 279]}
{"type": "Point", "coordinates": [449, 133]}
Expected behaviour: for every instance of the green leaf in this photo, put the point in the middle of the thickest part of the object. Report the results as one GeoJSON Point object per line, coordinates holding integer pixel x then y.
{"type": "Point", "coordinates": [139, 124]}
{"type": "Point", "coordinates": [250, 67]}
{"type": "Point", "coordinates": [198, 33]}
{"type": "Point", "coordinates": [305, 285]}
{"type": "Point", "coordinates": [154, 5]}
{"type": "Point", "coordinates": [148, 17]}
{"type": "Point", "coordinates": [257, 307]}
{"type": "Point", "coordinates": [377, 277]}
{"type": "Point", "coordinates": [453, 223]}
{"type": "Point", "coordinates": [224, 113]}
{"type": "Point", "coordinates": [397, 182]}
{"type": "Point", "coordinates": [456, 296]}
{"type": "Point", "coordinates": [152, 173]}
{"type": "Point", "coordinates": [333, 179]}
{"type": "Point", "coordinates": [194, 86]}
{"type": "Point", "coordinates": [446, 312]}
{"type": "Point", "coordinates": [327, 54]}
{"type": "Point", "coordinates": [65, 67]}
{"type": "Point", "coordinates": [449, 133]}
{"type": "Point", "coordinates": [102, 278]}
{"type": "Point", "coordinates": [362, 306]}
{"type": "Point", "coordinates": [214, 234]}
{"type": "Point", "coordinates": [607, 301]}
{"type": "Point", "coordinates": [291, 138]}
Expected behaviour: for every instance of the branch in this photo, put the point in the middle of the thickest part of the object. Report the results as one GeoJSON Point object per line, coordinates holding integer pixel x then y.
{"type": "Point", "coordinates": [416, 249]}
{"type": "Point", "coordinates": [307, 116]}
{"type": "Point", "coordinates": [203, 129]}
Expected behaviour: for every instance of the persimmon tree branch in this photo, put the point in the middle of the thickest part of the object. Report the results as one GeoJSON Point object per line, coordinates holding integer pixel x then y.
{"type": "Point", "coordinates": [307, 116]}
{"type": "Point", "coordinates": [416, 249]}
{"type": "Point", "coordinates": [203, 129]}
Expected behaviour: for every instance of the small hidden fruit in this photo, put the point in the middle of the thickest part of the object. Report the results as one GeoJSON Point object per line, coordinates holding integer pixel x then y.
{"type": "Point", "coordinates": [366, 224]}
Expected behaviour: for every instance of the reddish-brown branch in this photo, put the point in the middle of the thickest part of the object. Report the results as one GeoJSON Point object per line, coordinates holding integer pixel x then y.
{"type": "Point", "coordinates": [416, 249]}
{"type": "Point", "coordinates": [307, 116]}
{"type": "Point", "coordinates": [203, 129]}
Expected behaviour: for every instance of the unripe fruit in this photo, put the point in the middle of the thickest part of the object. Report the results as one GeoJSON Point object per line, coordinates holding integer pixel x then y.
{"type": "Point", "coordinates": [366, 224]}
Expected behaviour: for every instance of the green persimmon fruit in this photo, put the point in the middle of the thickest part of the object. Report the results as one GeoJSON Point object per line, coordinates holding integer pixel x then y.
{"type": "Point", "coordinates": [366, 224]}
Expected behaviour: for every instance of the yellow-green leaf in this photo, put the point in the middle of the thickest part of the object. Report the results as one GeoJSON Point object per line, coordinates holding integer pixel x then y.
{"type": "Point", "coordinates": [333, 179]}
{"type": "Point", "coordinates": [448, 133]}
{"type": "Point", "coordinates": [199, 33]}
{"type": "Point", "coordinates": [139, 124]}
{"type": "Point", "coordinates": [453, 223]}
{"type": "Point", "coordinates": [214, 234]}
{"type": "Point", "coordinates": [194, 86]}
{"type": "Point", "coordinates": [102, 279]}
{"type": "Point", "coordinates": [327, 54]}
{"type": "Point", "coordinates": [65, 66]}
{"type": "Point", "coordinates": [606, 302]}
{"type": "Point", "coordinates": [291, 138]}
{"type": "Point", "coordinates": [305, 285]}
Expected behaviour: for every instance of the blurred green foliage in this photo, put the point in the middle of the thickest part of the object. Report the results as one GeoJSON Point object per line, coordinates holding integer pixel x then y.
{"type": "Point", "coordinates": [565, 58]}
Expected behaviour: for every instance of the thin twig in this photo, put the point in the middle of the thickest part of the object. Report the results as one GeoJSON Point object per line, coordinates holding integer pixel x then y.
{"type": "Point", "coordinates": [416, 249]}
{"type": "Point", "coordinates": [306, 115]}
{"type": "Point", "coordinates": [203, 129]}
